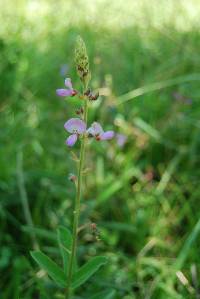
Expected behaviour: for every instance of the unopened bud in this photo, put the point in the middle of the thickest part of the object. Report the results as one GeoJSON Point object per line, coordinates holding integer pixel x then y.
{"type": "Point", "coordinates": [87, 92]}
{"type": "Point", "coordinates": [72, 177]}
{"type": "Point", "coordinates": [91, 96]}
{"type": "Point", "coordinates": [79, 111]}
{"type": "Point", "coordinates": [94, 97]}
{"type": "Point", "coordinates": [95, 231]}
{"type": "Point", "coordinates": [93, 226]}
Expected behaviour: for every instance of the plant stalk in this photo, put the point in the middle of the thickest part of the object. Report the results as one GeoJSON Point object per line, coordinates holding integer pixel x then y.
{"type": "Point", "coordinates": [77, 206]}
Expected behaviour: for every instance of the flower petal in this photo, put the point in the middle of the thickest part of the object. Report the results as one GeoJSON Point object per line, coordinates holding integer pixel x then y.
{"type": "Point", "coordinates": [68, 83]}
{"type": "Point", "coordinates": [63, 69]}
{"type": "Point", "coordinates": [71, 140]}
{"type": "Point", "coordinates": [64, 92]}
{"type": "Point", "coordinates": [121, 139]}
{"type": "Point", "coordinates": [95, 129]}
{"type": "Point", "coordinates": [90, 131]}
{"type": "Point", "coordinates": [107, 135]}
{"type": "Point", "coordinates": [75, 125]}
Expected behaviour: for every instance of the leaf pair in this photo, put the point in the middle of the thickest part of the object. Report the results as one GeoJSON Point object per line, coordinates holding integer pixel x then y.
{"type": "Point", "coordinates": [59, 275]}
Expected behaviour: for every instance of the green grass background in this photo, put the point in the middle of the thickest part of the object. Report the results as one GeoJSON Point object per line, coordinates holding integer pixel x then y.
{"type": "Point", "coordinates": [143, 197]}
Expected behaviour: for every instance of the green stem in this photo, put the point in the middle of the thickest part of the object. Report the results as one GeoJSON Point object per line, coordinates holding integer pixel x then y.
{"type": "Point", "coordinates": [77, 206]}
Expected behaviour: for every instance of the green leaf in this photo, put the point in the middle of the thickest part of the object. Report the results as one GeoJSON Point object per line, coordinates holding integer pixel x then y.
{"type": "Point", "coordinates": [108, 294]}
{"type": "Point", "coordinates": [65, 243]}
{"type": "Point", "coordinates": [87, 270]}
{"type": "Point", "coordinates": [50, 267]}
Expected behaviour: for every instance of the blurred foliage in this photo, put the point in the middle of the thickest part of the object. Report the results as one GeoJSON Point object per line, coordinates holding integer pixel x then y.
{"type": "Point", "coordinates": [144, 197]}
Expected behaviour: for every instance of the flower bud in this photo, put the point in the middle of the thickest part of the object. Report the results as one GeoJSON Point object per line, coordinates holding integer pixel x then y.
{"type": "Point", "coordinates": [82, 61]}
{"type": "Point", "coordinates": [79, 111]}
{"type": "Point", "coordinates": [91, 96]}
{"type": "Point", "coordinates": [87, 92]}
{"type": "Point", "coordinates": [72, 177]}
{"type": "Point", "coordinates": [94, 97]}
{"type": "Point", "coordinates": [93, 226]}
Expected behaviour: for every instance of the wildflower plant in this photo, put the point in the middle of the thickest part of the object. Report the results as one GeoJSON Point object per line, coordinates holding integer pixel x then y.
{"type": "Point", "coordinates": [71, 277]}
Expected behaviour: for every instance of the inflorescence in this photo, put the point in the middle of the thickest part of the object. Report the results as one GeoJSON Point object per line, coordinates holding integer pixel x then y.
{"type": "Point", "coordinates": [76, 126]}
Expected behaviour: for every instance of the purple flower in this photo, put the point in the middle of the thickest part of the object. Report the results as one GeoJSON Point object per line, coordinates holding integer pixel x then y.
{"type": "Point", "coordinates": [76, 127]}
{"type": "Point", "coordinates": [63, 70]}
{"type": "Point", "coordinates": [121, 139]}
{"type": "Point", "coordinates": [69, 92]}
{"type": "Point", "coordinates": [96, 131]}
{"type": "Point", "coordinates": [182, 99]}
